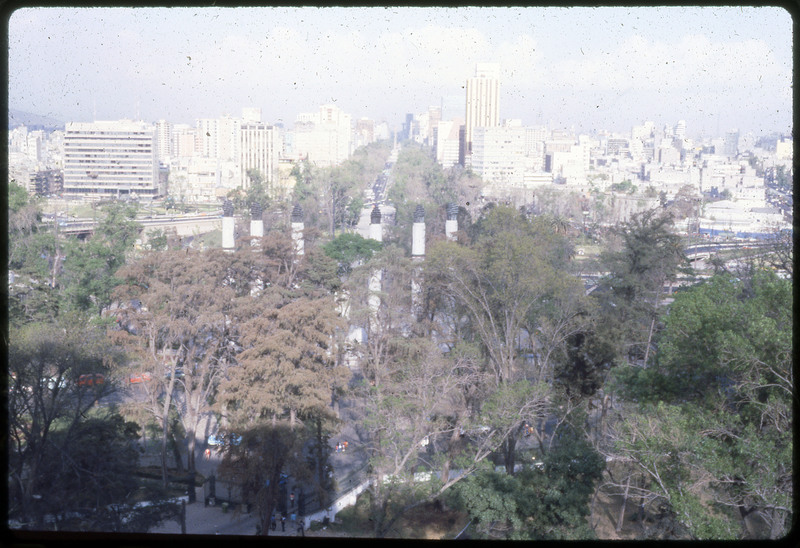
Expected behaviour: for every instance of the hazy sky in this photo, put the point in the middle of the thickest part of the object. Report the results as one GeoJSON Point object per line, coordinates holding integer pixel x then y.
{"type": "Point", "coordinates": [591, 68]}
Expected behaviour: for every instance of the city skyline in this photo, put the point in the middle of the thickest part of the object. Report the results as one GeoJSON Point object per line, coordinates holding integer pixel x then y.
{"type": "Point", "coordinates": [588, 68]}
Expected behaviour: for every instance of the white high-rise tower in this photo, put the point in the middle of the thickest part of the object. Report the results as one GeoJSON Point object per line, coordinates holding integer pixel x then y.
{"type": "Point", "coordinates": [483, 101]}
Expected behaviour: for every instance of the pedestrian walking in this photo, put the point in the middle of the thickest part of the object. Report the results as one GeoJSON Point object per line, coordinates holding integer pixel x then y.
{"type": "Point", "coordinates": [291, 498]}
{"type": "Point", "coordinates": [274, 525]}
{"type": "Point", "coordinates": [207, 453]}
{"type": "Point", "coordinates": [283, 523]}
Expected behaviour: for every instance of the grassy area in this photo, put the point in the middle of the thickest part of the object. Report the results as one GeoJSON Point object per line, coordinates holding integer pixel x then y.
{"type": "Point", "coordinates": [211, 239]}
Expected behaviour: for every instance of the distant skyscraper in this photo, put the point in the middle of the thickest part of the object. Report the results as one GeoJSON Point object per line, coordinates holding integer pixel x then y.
{"type": "Point", "coordinates": [447, 142]}
{"type": "Point", "coordinates": [218, 137]}
{"type": "Point", "coordinates": [408, 126]}
{"type": "Point", "coordinates": [680, 129]}
{"type": "Point", "coordinates": [434, 117]}
{"type": "Point", "coordinates": [163, 141]}
{"type": "Point", "coordinates": [110, 158]}
{"type": "Point", "coordinates": [483, 101]}
{"type": "Point", "coordinates": [732, 143]}
{"type": "Point", "coordinates": [184, 140]}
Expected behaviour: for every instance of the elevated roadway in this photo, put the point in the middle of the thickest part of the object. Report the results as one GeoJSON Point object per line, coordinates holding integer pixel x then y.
{"type": "Point", "coordinates": [184, 225]}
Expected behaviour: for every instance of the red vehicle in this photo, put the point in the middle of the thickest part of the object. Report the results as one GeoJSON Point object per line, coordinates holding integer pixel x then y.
{"type": "Point", "coordinates": [92, 379]}
{"type": "Point", "coordinates": [140, 377]}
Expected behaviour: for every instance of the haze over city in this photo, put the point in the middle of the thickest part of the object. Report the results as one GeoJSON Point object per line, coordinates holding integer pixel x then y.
{"type": "Point", "coordinates": [588, 68]}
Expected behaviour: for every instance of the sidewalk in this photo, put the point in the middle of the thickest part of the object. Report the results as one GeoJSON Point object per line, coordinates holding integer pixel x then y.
{"type": "Point", "coordinates": [211, 520]}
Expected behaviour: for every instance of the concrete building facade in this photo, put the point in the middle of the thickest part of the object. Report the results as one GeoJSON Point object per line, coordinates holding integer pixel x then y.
{"type": "Point", "coordinates": [323, 137]}
{"type": "Point", "coordinates": [259, 148]}
{"type": "Point", "coordinates": [483, 101]}
{"type": "Point", "coordinates": [498, 154]}
{"type": "Point", "coordinates": [110, 158]}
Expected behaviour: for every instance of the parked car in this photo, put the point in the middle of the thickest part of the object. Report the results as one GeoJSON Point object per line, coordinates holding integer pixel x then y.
{"type": "Point", "coordinates": [92, 379]}
{"type": "Point", "coordinates": [178, 374]}
{"type": "Point", "coordinates": [215, 440]}
{"type": "Point", "coordinates": [53, 382]}
{"type": "Point", "coordinates": [140, 377]}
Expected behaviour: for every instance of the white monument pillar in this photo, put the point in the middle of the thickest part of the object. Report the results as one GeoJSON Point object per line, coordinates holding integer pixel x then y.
{"type": "Point", "coordinates": [418, 234]}
{"type": "Point", "coordinates": [417, 255]}
{"type": "Point", "coordinates": [297, 229]}
{"type": "Point", "coordinates": [451, 224]}
{"type": "Point", "coordinates": [228, 225]}
{"type": "Point", "coordinates": [256, 224]}
{"type": "Point", "coordinates": [375, 233]}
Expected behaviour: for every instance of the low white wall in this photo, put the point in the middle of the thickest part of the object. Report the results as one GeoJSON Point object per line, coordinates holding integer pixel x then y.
{"type": "Point", "coordinates": [348, 499]}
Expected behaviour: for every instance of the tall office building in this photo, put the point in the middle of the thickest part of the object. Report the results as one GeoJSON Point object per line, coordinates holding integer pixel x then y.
{"type": "Point", "coordinates": [259, 149]}
{"type": "Point", "coordinates": [732, 143]}
{"type": "Point", "coordinates": [447, 142]}
{"type": "Point", "coordinates": [434, 117]}
{"type": "Point", "coordinates": [218, 138]}
{"type": "Point", "coordinates": [680, 130]}
{"type": "Point", "coordinates": [110, 158]}
{"type": "Point", "coordinates": [323, 137]}
{"type": "Point", "coordinates": [163, 141]}
{"type": "Point", "coordinates": [483, 102]}
{"type": "Point", "coordinates": [184, 141]}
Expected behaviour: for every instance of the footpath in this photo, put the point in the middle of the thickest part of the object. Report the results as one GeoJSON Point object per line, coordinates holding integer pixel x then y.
{"type": "Point", "coordinates": [212, 520]}
{"type": "Point", "coordinates": [348, 468]}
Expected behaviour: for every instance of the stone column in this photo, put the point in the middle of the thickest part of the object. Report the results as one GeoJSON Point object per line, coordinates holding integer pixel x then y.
{"type": "Point", "coordinates": [256, 223]}
{"type": "Point", "coordinates": [417, 255]}
{"type": "Point", "coordinates": [451, 224]}
{"type": "Point", "coordinates": [228, 225]}
{"type": "Point", "coordinates": [297, 229]}
{"type": "Point", "coordinates": [375, 233]}
{"type": "Point", "coordinates": [418, 234]}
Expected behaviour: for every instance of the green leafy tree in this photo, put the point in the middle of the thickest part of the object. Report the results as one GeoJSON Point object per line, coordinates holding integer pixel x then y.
{"type": "Point", "coordinates": [625, 186]}
{"type": "Point", "coordinates": [503, 283]}
{"type": "Point", "coordinates": [717, 448]}
{"type": "Point", "coordinates": [17, 197]}
{"type": "Point", "coordinates": [546, 503]}
{"type": "Point", "coordinates": [45, 362]}
{"type": "Point", "coordinates": [348, 249]}
{"type": "Point", "coordinates": [331, 197]}
{"type": "Point", "coordinates": [255, 193]}
{"type": "Point", "coordinates": [89, 267]}
{"type": "Point", "coordinates": [649, 257]}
